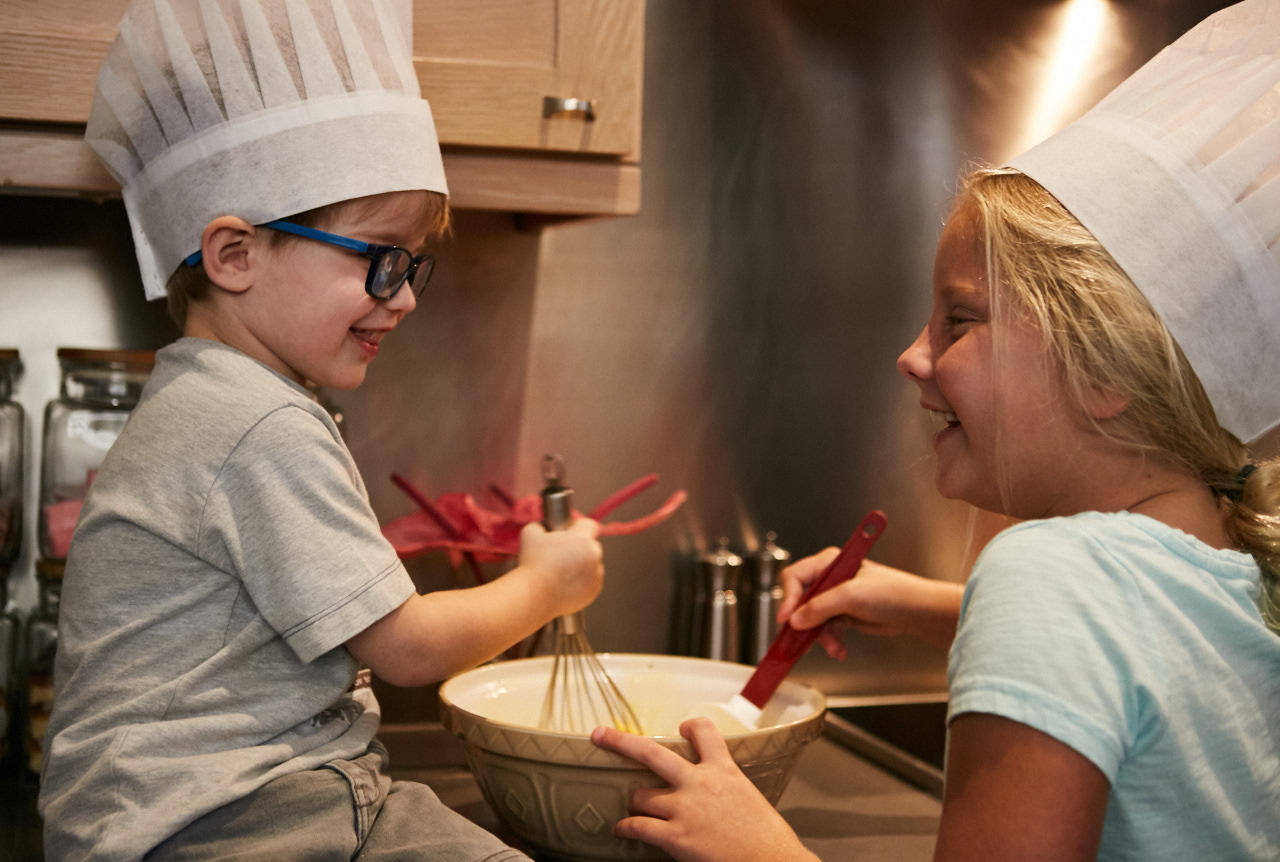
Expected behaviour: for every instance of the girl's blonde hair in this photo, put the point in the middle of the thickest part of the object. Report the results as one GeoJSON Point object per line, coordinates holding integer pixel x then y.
{"type": "Point", "coordinates": [1104, 336]}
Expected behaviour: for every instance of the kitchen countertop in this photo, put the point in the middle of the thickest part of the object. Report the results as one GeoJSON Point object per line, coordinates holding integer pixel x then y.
{"type": "Point", "coordinates": [852, 797]}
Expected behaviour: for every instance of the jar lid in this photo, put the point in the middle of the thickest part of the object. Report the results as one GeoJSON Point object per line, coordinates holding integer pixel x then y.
{"type": "Point", "coordinates": [8, 354]}
{"type": "Point", "coordinates": [51, 569]}
{"type": "Point", "coordinates": [130, 358]}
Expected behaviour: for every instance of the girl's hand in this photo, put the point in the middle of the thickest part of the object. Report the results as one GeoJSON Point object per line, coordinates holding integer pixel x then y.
{"type": "Point", "coordinates": [879, 600]}
{"type": "Point", "coordinates": [570, 561]}
{"type": "Point", "coordinates": [709, 811]}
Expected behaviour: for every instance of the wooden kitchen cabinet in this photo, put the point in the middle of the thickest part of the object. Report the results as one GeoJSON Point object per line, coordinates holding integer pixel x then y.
{"type": "Point", "coordinates": [486, 67]}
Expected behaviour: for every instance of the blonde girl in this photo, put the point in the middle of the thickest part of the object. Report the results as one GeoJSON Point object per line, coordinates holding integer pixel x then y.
{"type": "Point", "coordinates": [1115, 678]}
{"type": "Point", "coordinates": [1102, 344]}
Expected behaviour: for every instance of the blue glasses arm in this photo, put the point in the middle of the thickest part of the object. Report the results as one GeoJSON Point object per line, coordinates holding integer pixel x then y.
{"type": "Point", "coordinates": [307, 232]}
{"type": "Point", "coordinates": [323, 236]}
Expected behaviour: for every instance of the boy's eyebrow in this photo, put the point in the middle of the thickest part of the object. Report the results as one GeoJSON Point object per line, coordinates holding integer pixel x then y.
{"type": "Point", "coordinates": [379, 237]}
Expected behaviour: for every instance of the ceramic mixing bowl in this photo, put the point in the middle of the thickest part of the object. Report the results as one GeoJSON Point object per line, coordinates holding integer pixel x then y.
{"type": "Point", "coordinates": [562, 794]}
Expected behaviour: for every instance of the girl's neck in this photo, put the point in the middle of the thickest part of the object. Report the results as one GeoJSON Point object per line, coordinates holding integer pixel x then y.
{"type": "Point", "coordinates": [1188, 506]}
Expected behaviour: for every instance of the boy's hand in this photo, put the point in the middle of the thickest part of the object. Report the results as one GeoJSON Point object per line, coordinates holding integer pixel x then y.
{"type": "Point", "coordinates": [570, 561]}
{"type": "Point", "coordinates": [709, 811]}
{"type": "Point", "coordinates": [434, 635]}
{"type": "Point", "coordinates": [879, 600]}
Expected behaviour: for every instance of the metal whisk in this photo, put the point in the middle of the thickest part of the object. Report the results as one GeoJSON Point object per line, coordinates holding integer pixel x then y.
{"type": "Point", "coordinates": [581, 694]}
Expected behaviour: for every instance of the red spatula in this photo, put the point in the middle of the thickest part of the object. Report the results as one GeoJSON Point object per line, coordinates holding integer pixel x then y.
{"type": "Point", "coordinates": [743, 710]}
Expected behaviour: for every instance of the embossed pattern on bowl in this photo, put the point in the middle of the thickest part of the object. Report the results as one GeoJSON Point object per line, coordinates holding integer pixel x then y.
{"type": "Point", "coordinates": [561, 793]}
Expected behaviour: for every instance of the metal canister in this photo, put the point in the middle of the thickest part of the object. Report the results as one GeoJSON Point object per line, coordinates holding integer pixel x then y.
{"type": "Point", "coordinates": [720, 574]}
{"type": "Point", "coordinates": [765, 569]}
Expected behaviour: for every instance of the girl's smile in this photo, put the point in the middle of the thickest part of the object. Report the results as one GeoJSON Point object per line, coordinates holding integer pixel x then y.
{"type": "Point", "coordinates": [1009, 433]}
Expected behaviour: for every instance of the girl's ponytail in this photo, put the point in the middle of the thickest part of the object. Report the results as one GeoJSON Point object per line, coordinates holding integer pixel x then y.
{"type": "Point", "coordinates": [1252, 499]}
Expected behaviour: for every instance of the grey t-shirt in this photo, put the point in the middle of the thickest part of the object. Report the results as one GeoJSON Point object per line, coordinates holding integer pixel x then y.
{"type": "Point", "coordinates": [224, 555]}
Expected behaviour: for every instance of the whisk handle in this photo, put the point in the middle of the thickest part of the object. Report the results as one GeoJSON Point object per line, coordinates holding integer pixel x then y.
{"type": "Point", "coordinates": [557, 514]}
{"type": "Point", "coordinates": [557, 500]}
{"type": "Point", "coordinates": [790, 644]}
{"type": "Point", "coordinates": [571, 624]}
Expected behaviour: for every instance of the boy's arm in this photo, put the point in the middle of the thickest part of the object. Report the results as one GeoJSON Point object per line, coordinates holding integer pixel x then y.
{"type": "Point", "coordinates": [433, 636]}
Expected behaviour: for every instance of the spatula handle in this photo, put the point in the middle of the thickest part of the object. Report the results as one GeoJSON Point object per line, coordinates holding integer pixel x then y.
{"type": "Point", "coordinates": [790, 643]}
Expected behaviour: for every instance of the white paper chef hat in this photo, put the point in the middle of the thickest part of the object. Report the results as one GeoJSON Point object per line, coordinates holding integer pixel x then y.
{"type": "Point", "coordinates": [1177, 174]}
{"type": "Point", "coordinates": [256, 108]}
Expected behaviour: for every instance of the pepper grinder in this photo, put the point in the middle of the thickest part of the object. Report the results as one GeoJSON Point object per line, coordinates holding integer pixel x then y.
{"type": "Point", "coordinates": [721, 571]}
{"type": "Point", "coordinates": [766, 595]}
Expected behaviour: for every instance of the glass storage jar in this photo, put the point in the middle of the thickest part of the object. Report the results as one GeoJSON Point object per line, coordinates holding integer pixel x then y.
{"type": "Point", "coordinates": [99, 389]}
{"type": "Point", "coordinates": [39, 643]}
{"type": "Point", "coordinates": [10, 624]}
{"type": "Point", "coordinates": [13, 440]}
{"type": "Point", "coordinates": [13, 444]}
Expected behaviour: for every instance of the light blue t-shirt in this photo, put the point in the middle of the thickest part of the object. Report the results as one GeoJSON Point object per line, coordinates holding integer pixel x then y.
{"type": "Point", "coordinates": [1142, 648]}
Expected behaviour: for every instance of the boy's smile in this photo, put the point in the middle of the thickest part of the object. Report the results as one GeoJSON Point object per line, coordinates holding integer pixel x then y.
{"type": "Point", "coordinates": [369, 339]}
{"type": "Point", "coordinates": [305, 311]}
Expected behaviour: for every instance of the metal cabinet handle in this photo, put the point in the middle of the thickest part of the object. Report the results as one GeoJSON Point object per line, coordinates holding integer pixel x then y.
{"type": "Point", "coordinates": [552, 106]}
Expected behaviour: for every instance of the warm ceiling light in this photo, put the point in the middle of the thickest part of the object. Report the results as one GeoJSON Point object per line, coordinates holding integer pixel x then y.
{"type": "Point", "coordinates": [1081, 25]}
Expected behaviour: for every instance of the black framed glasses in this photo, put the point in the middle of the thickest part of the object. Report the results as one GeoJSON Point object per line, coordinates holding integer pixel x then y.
{"type": "Point", "coordinates": [390, 266]}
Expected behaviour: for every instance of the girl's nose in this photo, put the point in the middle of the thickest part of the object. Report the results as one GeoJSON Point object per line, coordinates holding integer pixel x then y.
{"type": "Point", "coordinates": [916, 362]}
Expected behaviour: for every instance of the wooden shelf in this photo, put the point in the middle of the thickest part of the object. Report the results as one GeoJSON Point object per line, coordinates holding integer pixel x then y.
{"type": "Point", "coordinates": [55, 160]}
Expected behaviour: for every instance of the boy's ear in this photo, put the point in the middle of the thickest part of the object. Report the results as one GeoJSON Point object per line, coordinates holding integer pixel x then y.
{"type": "Point", "coordinates": [224, 246]}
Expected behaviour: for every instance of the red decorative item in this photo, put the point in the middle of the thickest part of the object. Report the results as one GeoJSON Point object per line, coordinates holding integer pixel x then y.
{"type": "Point", "coordinates": [457, 523]}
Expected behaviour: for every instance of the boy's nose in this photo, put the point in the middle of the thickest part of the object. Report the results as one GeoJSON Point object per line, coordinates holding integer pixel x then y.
{"type": "Point", "coordinates": [916, 362]}
{"type": "Point", "coordinates": [402, 301]}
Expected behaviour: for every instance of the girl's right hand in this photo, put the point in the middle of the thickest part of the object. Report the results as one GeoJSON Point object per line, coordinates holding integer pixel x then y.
{"type": "Point", "coordinates": [879, 600]}
{"type": "Point", "coordinates": [570, 561]}
{"type": "Point", "coordinates": [709, 810]}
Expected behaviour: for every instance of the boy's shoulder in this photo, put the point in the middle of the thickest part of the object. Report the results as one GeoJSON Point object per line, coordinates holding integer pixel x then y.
{"type": "Point", "coordinates": [191, 367]}
{"type": "Point", "coordinates": [205, 389]}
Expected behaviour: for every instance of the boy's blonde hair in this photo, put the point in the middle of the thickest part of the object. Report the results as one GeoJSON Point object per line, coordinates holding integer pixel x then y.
{"type": "Point", "coordinates": [1104, 336]}
{"type": "Point", "coordinates": [189, 284]}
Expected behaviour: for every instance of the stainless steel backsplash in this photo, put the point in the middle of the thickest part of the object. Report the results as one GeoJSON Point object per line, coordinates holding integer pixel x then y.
{"type": "Point", "coordinates": [737, 337]}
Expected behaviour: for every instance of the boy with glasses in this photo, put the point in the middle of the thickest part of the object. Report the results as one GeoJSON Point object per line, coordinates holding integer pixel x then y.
{"type": "Point", "coordinates": [227, 578]}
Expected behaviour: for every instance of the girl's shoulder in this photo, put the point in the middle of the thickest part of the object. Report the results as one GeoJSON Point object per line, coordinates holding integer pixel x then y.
{"type": "Point", "coordinates": [1111, 534]}
{"type": "Point", "coordinates": [1112, 551]}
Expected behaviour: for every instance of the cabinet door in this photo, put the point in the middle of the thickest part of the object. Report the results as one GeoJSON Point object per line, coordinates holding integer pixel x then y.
{"type": "Point", "coordinates": [50, 51]}
{"type": "Point", "coordinates": [487, 68]}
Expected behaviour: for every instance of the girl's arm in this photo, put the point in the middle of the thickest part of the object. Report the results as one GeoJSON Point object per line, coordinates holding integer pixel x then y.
{"type": "Point", "coordinates": [1014, 793]}
{"type": "Point", "coordinates": [879, 600]}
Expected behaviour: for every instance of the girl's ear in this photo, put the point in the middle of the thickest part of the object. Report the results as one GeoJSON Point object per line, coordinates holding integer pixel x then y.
{"type": "Point", "coordinates": [1103, 403]}
{"type": "Point", "coordinates": [224, 246]}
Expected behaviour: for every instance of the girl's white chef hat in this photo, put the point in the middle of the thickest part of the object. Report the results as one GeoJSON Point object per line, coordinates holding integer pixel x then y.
{"type": "Point", "coordinates": [1177, 173]}
{"type": "Point", "coordinates": [256, 108]}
